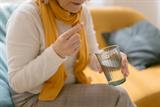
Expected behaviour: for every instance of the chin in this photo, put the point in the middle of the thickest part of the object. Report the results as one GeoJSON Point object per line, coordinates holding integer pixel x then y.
{"type": "Point", "coordinates": [75, 10]}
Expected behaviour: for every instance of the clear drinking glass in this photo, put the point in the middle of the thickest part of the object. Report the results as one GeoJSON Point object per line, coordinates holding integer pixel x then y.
{"type": "Point", "coordinates": [110, 61]}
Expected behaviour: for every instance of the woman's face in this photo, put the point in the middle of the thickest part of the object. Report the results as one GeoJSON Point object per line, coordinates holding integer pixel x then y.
{"type": "Point", "coordinates": [71, 5]}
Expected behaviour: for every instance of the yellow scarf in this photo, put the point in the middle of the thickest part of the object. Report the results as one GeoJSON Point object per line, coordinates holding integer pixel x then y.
{"type": "Point", "coordinates": [48, 13]}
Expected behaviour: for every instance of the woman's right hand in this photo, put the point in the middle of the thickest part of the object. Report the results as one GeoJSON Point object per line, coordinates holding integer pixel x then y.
{"type": "Point", "coordinates": [68, 43]}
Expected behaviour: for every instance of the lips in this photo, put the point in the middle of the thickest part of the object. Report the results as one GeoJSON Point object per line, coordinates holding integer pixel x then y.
{"type": "Point", "coordinates": [77, 3]}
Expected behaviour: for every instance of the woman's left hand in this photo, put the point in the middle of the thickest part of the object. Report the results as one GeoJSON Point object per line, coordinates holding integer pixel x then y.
{"type": "Point", "coordinates": [95, 65]}
{"type": "Point", "coordinates": [124, 64]}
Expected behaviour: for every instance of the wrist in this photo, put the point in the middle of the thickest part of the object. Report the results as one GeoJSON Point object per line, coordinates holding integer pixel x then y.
{"type": "Point", "coordinates": [57, 52]}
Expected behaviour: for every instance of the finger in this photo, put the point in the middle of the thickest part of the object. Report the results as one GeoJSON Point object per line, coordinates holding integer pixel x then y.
{"type": "Point", "coordinates": [73, 49]}
{"type": "Point", "coordinates": [66, 35]}
{"type": "Point", "coordinates": [74, 39]}
{"type": "Point", "coordinates": [76, 49]}
{"type": "Point", "coordinates": [123, 65]}
{"type": "Point", "coordinates": [125, 62]}
{"type": "Point", "coordinates": [125, 70]}
{"type": "Point", "coordinates": [123, 59]}
{"type": "Point", "coordinates": [76, 45]}
{"type": "Point", "coordinates": [72, 42]}
{"type": "Point", "coordinates": [127, 67]}
{"type": "Point", "coordinates": [99, 67]}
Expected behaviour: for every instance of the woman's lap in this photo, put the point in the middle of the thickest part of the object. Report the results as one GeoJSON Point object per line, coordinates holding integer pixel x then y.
{"type": "Point", "coordinates": [81, 95]}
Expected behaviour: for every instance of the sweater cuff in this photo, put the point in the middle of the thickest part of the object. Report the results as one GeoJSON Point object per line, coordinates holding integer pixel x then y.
{"type": "Point", "coordinates": [53, 57]}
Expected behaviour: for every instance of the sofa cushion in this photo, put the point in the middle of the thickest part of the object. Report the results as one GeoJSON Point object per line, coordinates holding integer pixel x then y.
{"type": "Point", "coordinates": [5, 97]}
{"type": "Point", "coordinates": [140, 42]}
{"type": "Point", "coordinates": [5, 11]}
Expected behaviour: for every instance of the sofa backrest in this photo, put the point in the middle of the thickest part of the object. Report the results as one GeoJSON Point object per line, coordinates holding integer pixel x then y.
{"type": "Point", "coordinates": [5, 12]}
{"type": "Point", "coordinates": [5, 96]}
{"type": "Point", "coordinates": [108, 19]}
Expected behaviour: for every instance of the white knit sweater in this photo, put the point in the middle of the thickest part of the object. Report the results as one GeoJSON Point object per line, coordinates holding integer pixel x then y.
{"type": "Point", "coordinates": [30, 63]}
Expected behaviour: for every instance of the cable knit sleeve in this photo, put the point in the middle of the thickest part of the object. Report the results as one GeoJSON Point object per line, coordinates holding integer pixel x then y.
{"type": "Point", "coordinates": [28, 68]}
{"type": "Point", "coordinates": [91, 34]}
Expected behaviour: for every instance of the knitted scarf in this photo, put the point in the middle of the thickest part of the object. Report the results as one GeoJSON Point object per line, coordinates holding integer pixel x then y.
{"type": "Point", "coordinates": [48, 13]}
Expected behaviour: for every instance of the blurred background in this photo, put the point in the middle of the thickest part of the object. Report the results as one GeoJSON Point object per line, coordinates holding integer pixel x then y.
{"type": "Point", "coordinates": [150, 8]}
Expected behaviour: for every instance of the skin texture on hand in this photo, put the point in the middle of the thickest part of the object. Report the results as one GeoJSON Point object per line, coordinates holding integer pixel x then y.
{"type": "Point", "coordinates": [124, 66]}
{"type": "Point", "coordinates": [68, 44]}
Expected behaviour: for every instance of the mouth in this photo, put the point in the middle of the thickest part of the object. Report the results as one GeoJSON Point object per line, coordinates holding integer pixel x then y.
{"type": "Point", "coordinates": [77, 4]}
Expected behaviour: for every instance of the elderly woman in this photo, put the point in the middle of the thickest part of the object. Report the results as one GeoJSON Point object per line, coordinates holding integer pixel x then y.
{"type": "Point", "coordinates": [49, 43]}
